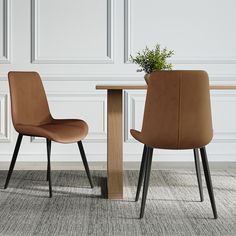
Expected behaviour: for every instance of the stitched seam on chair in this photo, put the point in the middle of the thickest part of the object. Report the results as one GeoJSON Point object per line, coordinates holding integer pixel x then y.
{"type": "Point", "coordinates": [179, 121]}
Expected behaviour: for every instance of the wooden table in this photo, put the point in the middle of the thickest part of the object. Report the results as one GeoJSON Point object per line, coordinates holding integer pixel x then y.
{"type": "Point", "coordinates": [115, 134]}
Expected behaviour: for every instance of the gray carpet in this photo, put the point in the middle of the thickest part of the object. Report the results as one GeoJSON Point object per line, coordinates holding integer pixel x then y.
{"type": "Point", "coordinates": [172, 208]}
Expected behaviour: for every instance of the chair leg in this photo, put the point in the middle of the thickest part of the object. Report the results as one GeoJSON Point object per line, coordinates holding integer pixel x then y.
{"type": "Point", "coordinates": [198, 172]}
{"type": "Point", "coordinates": [13, 161]}
{"type": "Point", "coordinates": [49, 167]}
{"type": "Point", "coordinates": [141, 172]}
{"type": "Point", "coordinates": [208, 180]}
{"type": "Point", "coordinates": [83, 156]}
{"type": "Point", "coordinates": [146, 180]}
{"type": "Point", "coordinates": [48, 171]}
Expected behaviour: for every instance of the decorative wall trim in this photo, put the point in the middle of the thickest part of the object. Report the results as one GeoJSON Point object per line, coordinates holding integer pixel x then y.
{"type": "Point", "coordinates": [102, 165]}
{"type": "Point", "coordinates": [176, 159]}
{"type": "Point", "coordinates": [127, 33]}
{"type": "Point", "coordinates": [128, 40]}
{"type": "Point", "coordinates": [226, 96]}
{"type": "Point", "coordinates": [93, 136]}
{"type": "Point", "coordinates": [215, 79]}
{"type": "Point", "coordinates": [98, 77]}
{"type": "Point", "coordinates": [35, 58]}
{"type": "Point", "coordinates": [132, 97]}
{"type": "Point", "coordinates": [4, 119]}
{"type": "Point", "coordinates": [6, 57]}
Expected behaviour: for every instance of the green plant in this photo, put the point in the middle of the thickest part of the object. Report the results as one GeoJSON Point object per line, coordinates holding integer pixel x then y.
{"type": "Point", "coordinates": [153, 59]}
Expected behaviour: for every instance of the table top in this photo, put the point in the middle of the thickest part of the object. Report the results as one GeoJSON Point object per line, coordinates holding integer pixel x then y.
{"type": "Point", "coordinates": [121, 86]}
{"type": "Point", "coordinates": [142, 87]}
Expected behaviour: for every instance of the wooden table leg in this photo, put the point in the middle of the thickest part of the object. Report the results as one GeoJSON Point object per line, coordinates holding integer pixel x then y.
{"type": "Point", "coordinates": [114, 145]}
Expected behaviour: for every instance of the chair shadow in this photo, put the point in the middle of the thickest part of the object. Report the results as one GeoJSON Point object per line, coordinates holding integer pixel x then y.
{"type": "Point", "coordinates": [175, 200]}
{"type": "Point", "coordinates": [55, 193]}
{"type": "Point", "coordinates": [100, 181]}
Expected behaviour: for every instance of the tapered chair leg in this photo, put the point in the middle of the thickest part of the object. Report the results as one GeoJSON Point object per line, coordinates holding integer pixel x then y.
{"type": "Point", "coordinates": [141, 172]}
{"type": "Point", "coordinates": [146, 180]}
{"type": "Point", "coordinates": [49, 167]}
{"type": "Point", "coordinates": [83, 156]}
{"type": "Point", "coordinates": [13, 161]}
{"type": "Point", "coordinates": [198, 172]}
{"type": "Point", "coordinates": [208, 180]}
{"type": "Point", "coordinates": [48, 171]}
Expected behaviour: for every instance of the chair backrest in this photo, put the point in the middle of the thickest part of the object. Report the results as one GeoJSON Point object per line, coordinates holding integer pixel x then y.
{"type": "Point", "coordinates": [177, 112]}
{"type": "Point", "coordinates": [29, 104]}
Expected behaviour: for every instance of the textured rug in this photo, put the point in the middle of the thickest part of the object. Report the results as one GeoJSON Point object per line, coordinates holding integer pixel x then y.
{"type": "Point", "coordinates": [172, 208]}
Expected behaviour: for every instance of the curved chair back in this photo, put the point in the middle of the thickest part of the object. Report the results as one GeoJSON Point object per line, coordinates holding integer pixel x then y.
{"type": "Point", "coordinates": [177, 111]}
{"type": "Point", "coordinates": [29, 104]}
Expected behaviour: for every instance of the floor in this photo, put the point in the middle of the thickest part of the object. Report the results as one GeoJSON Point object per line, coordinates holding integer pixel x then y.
{"type": "Point", "coordinates": [173, 206]}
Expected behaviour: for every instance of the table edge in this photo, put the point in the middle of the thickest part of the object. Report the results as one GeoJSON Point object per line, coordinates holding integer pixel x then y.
{"type": "Point", "coordinates": [143, 87]}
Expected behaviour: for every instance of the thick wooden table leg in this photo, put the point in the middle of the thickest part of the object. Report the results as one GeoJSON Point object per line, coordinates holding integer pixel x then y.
{"type": "Point", "coordinates": [114, 145]}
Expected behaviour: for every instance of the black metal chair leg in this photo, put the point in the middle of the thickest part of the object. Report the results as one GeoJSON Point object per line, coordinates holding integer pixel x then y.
{"type": "Point", "coordinates": [198, 172]}
{"type": "Point", "coordinates": [208, 180]}
{"type": "Point", "coordinates": [13, 161]}
{"type": "Point", "coordinates": [146, 180]}
{"type": "Point", "coordinates": [83, 156]}
{"type": "Point", "coordinates": [49, 167]}
{"type": "Point", "coordinates": [47, 171]}
{"type": "Point", "coordinates": [141, 172]}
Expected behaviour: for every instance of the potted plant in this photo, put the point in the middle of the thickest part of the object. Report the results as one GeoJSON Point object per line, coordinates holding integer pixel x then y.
{"type": "Point", "coordinates": [151, 60]}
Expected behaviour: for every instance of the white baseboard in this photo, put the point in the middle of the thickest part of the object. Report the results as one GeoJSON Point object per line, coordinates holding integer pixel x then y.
{"type": "Point", "coordinates": [21, 165]}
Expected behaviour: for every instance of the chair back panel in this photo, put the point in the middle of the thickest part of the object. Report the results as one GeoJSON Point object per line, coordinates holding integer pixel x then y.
{"type": "Point", "coordinates": [177, 111]}
{"type": "Point", "coordinates": [29, 104]}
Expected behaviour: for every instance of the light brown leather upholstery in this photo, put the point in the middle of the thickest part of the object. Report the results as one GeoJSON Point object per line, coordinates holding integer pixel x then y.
{"type": "Point", "coordinates": [177, 111]}
{"type": "Point", "coordinates": [31, 115]}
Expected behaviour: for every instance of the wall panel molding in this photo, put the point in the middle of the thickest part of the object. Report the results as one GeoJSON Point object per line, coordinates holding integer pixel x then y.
{"type": "Point", "coordinates": [215, 79]}
{"type": "Point", "coordinates": [228, 97]}
{"type": "Point", "coordinates": [128, 41]}
{"type": "Point", "coordinates": [127, 31]}
{"type": "Point", "coordinates": [4, 119]}
{"type": "Point", "coordinates": [35, 47]}
{"type": "Point", "coordinates": [175, 160]}
{"type": "Point", "coordinates": [6, 57]}
{"type": "Point", "coordinates": [131, 98]}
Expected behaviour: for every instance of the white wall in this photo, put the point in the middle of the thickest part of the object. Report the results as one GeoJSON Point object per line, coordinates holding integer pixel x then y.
{"type": "Point", "coordinates": [77, 44]}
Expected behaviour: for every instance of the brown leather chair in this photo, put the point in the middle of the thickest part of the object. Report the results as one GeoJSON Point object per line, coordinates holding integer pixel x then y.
{"type": "Point", "coordinates": [177, 115]}
{"type": "Point", "coordinates": [31, 117]}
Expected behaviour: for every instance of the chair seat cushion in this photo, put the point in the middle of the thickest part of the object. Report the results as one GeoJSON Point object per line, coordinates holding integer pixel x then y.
{"type": "Point", "coordinates": [137, 135]}
{"type": "Point", "coordinates": [58, 130]}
